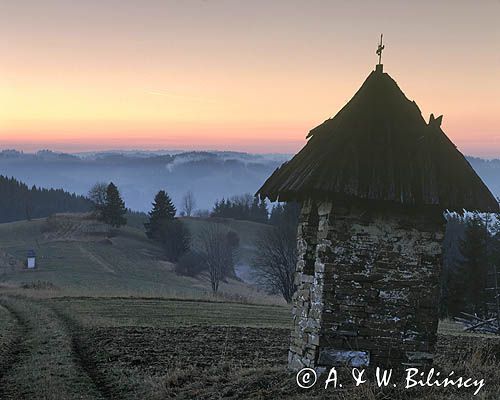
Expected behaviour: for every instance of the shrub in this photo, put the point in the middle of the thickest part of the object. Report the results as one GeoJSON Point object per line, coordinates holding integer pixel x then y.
{"type": "Point", "coordinates": [174, 236]}
{"type": "Point", "coordinates": [233, 239]}
{"type": "Point", "coordinates": [191, 263]}
{"type": "Point", "coordinates": [39, 285]}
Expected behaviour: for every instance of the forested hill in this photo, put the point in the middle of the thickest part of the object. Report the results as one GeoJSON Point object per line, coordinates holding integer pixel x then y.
{"type": "Point", "coordinates": [18, 201]}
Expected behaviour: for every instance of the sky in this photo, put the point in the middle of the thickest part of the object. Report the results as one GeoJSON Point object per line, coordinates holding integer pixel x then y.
{"type": "Point", "coordinates": [239, 75]}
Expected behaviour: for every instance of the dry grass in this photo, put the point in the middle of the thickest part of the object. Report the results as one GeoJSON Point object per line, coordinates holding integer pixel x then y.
{"type": "Point", "coordinates": [150, 349]}
{"type": "Point", "coordinates": [79, 227]}
{"type": "Point", "coordinates": [274, 382]}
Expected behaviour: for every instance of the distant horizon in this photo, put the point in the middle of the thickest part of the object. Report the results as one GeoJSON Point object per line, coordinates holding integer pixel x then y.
{"type": "Point", "coordinates": [142, 150]}
{"type": "Point", "coordinates": [183, 150]}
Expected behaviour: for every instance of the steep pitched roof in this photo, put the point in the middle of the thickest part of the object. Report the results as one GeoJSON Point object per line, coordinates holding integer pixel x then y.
{"type": "Point", "coordinates": [378, 147]}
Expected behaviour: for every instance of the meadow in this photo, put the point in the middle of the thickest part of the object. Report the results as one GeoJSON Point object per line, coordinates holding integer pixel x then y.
{"type": "Point", "coordinates": [77, 258]}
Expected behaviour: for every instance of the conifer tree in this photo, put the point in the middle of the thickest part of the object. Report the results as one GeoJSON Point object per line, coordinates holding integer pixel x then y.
{"type": "Point", "coordinates": [475, 265]}
{"type": "Point", "coordinates": [114, 208]}
{"type": "Point", "coordinates": [163, 211]}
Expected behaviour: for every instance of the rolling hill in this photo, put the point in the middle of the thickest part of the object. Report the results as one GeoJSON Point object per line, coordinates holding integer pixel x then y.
{"type": "Point", "coordinates": [75, 257]}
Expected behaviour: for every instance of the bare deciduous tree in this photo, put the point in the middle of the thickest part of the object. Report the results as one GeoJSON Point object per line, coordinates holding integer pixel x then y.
{"type": "Point", "coordinates": [202, 213]}
{"type": "Point", "coordinates": [188, 203]}
{"type": "Point", "coordinates": [219, 253]}
{"type": "Point", "coordinates": [97, 195]}
{"type": "Point", "coordinates": [276, 259]}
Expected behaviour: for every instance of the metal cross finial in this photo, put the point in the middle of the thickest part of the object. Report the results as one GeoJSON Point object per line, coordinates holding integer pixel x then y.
{"type": "Point", "coordinates": [379, 50]}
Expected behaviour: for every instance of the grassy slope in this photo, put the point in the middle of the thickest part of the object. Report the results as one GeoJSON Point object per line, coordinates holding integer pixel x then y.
{"type": "Point", "coordinates": [131, 266]}
{"type": "Point", "coordinates": [128, 265]}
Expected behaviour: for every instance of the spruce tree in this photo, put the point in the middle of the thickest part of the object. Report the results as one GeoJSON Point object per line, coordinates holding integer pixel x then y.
{"type": "Point", "coordinates": [163, 211]}
{"type": "Point", "coordinates": [474, 266]}
{"type": "Point", "coordinates": [114, 208]}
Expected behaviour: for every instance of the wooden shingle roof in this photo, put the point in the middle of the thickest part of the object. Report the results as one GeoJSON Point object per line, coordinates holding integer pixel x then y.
{"type": "Point", "coordinates": [378, 147]}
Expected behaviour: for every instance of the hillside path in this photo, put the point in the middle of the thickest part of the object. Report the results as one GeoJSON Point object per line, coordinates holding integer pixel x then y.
{"type": "Point", "coordinates": [105, 265]}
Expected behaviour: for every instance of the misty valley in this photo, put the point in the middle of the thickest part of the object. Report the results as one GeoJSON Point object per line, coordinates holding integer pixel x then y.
{"type": "Point", "coordinates": [209, 175]}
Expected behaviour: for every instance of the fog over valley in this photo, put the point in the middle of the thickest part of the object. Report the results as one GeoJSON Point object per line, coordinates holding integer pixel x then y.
{"type": "Point", "coordinates": [210, 175]}
{"type": "Point", "coordinates": [139, 175]}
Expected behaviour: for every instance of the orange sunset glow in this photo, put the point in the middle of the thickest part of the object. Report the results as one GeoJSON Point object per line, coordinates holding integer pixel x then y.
{"type": "Point", "coordinates": [232, 75]}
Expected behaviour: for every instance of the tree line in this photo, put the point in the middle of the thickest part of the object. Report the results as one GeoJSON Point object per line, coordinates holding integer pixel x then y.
{"type": "Point", "coordinates": [20, 202]}
{"type": "Point", "coordinates": [245, 207]}
{"type": "Point", "coordinates": [250, 208]}
{"type": "Point", "coordinates": [470, 252]}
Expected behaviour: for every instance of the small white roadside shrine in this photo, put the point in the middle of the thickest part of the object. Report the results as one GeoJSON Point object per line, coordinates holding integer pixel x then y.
{"type": "Point", "coordinates": [31, 259]}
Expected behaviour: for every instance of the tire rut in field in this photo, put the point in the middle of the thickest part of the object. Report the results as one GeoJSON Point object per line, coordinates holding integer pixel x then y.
{"type": "Point", "coordinates": [12, 351]}
{"type": "Point", "coordinates": [84, 358]}
{"type": "Point", "coordinates": [43, 363]}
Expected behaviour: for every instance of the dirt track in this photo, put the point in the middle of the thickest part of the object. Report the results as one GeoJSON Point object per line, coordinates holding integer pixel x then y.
{"type": "Point", "coordinates": [40, 361]}
{"type": "Point", "coordinates": [11, 346]}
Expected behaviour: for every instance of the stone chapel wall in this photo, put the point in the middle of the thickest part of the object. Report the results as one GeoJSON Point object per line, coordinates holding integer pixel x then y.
{"type": "Point", "coordinates": [373, 296]}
